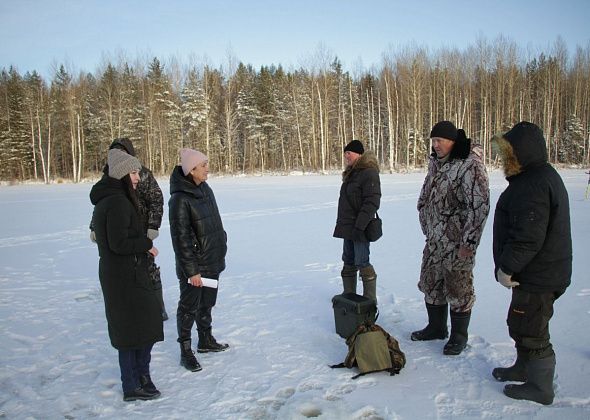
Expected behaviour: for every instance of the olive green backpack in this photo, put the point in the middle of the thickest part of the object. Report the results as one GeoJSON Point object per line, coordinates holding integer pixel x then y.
{"type": "Point", "coordinates": [372, 349]}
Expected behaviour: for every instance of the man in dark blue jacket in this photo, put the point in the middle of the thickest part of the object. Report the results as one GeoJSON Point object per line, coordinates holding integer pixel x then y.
{"type": "Point", "coordinates": [532, 256]}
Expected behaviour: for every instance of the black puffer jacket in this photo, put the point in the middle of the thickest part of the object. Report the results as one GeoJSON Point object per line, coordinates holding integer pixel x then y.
{"type": "Point", "coordinates": [532, 237]}
{"type": "Point", "coordinates": [198, 238]}
{"type": "Point", "coordinates": [132, 308]}
{"type": "Point", "coordinates": [360, 196]}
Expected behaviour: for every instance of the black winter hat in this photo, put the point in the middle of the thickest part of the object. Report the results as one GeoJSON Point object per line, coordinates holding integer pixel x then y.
{"type": "Point", "coordinates": [355, 146]}
{"type": "Point", "coordinates": [445, 130]}
{"type": "Point", "coordinates": [124, 144]}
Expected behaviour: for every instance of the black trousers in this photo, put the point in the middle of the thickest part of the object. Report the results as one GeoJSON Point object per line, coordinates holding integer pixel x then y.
{"type": "Point", "coordinates": [528, 322]}
{"type": "Point", "coordinates": [194, 306]}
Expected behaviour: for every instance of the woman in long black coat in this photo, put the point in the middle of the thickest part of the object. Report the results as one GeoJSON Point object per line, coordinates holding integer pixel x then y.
{"type": "Point", "coordinates": [200, 245]}
{"type": "Point", "coordinates": [131, 304]}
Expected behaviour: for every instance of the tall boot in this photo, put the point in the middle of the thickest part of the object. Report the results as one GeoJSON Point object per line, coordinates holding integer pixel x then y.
{"type": "Point", "coordinates": [514, 373]}
{"type": "Point", "coordinates": [187, 357]}
{"type": "Point", "coordinates": [207, 343]}
{"type": "Point", "coordinates": [539, 384]}
{"type": "Point", "coordinates": [349, 278]}
{"type": "Point", "coordinates": [437, 324]}
{"type": "Point", "coordinates": [458, 340]}
{"type": "Point", "coordinates": [369, 278]}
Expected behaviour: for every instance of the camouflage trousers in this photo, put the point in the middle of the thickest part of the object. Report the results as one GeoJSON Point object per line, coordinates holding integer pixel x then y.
{"type": "Point", "coordinates": [154, 273]}
{"type": "Point", "coordinates": [447, 279]}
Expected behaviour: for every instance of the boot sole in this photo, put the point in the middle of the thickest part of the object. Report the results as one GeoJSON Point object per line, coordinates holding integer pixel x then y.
{"type": "Point", "coordinates": [190, 369]}
{"type": "Point", "coordinates": [511, 391]}
{"type": "Point", "coordinates": [211, 350]}
{"type": "Point", "coordinates": [414, 337]}
{"type": "Point", "coordinates": [129, 399]}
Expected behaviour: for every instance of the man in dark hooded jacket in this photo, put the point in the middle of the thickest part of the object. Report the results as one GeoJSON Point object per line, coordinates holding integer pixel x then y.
{"type": "Point", "coordinates": [532, 256]}
{"type": "Point", "coordinates": [151, 207]}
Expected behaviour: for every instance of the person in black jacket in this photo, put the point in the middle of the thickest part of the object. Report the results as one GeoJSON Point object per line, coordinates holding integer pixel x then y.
{"type": "Point", "coordinates": [533, 256]}
{"type": "Point", "coordinates": [200, 245]}
{"type": "Point", "coordinates": [151, 208]}
{"type": "Point", "coordinates": [131, 305]}
{"type": "Point", "coordinates": [360, 196]}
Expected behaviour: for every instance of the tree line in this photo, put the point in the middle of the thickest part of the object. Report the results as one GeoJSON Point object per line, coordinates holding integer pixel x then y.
{"type": "Point", "coordinates": [270, 119]}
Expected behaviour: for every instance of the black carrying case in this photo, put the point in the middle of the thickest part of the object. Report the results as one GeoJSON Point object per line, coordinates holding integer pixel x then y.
{"type": "Point", "coordinates": [350, 311]}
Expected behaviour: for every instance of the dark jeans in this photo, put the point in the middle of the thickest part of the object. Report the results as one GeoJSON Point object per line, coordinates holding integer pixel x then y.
{"type": "Point", "coordinates": [133, 364]}
{"type": "Point", "coordinates": [528, 322]}
{"type": "Point", "coordinates": [194, 306]}
{"type": "Point", "coordinates": [356, 253]}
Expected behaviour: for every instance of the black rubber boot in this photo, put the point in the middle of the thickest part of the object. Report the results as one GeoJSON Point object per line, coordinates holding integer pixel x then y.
{"type": "Point", "coordinates": [539, 384]}
{"type": "Point", "coordinates": [207, 343]}
{"type": "Point", "coordinates": [458, 339]}
{"type": "Point", "coordinates": [437, 324]}
{"type": "Point", "coordinates": [369, 278]}
{"type": "Point", "coordinates": [147, 384]}
{"type": "Point", "coordinates": [349, 278]}
{"type": "Point", "coordinates": [514, 373]}
{"type": "Point", "coordinates": [187, 357]}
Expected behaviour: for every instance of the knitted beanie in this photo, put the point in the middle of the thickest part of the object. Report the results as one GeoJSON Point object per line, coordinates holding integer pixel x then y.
{"type": "Point", "coordinates": [190, 158]}
{"type": "Point", "coordinates": [121, 163]}
{"type": "Point", "coordinates": [445, 130]}
{"type": "Point", "coordinates": [355, 146]}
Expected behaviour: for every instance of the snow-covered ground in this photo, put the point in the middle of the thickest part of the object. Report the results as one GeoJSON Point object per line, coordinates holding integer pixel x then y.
{"type": "Point", "coordinates": [274, 309]}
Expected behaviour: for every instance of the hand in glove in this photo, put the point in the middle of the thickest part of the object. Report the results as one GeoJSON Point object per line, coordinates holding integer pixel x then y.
{"type": "Point", "coordinates": [506, 279]}
{"type": "Point", "coordinates": [152, 233]}
{"type": "Point", "coordinates": [93, 236]}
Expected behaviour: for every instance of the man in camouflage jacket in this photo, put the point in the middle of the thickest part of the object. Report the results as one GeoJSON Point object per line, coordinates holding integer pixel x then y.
{"type": "Point", "coordinates": [453, 207]}
{"type": "Point", "coordinates": [151, 207]}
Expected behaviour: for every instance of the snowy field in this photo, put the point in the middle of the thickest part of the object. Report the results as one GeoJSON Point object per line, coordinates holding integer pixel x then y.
{"type": "Point", "coordinates": [275, 311]}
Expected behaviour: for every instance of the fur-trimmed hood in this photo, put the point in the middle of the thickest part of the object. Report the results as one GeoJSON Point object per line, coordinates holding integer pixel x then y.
{"type": "Point", "coordinates": [367, 160]}
{"type": "Point", "coordinates": [521, 148]}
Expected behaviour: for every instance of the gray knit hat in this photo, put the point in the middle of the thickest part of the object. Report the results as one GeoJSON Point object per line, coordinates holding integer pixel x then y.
{"type": "Point", "coordinates": [120, 163]}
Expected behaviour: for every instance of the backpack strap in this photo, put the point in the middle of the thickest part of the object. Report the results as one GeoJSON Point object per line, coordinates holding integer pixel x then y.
{"type": "Point", "coordinates": [338, 366]}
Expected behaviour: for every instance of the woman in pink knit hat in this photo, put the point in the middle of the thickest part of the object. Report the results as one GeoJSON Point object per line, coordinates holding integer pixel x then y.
{"type": "Point", "coordinates": [200, 245]}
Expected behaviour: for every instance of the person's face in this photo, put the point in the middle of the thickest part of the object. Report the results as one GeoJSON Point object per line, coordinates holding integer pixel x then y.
{"type": "Point", "coordinates": [200, 172]}
{"type": "Point", "coordinates": [442, 146]}
{"type": "Point", "coordinates": [134, 175]}
{"type": "Point", "coordinates": [351, 157]}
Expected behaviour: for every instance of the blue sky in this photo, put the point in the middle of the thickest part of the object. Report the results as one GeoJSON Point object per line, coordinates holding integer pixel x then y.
{"type": "Point", "coordinates": [37, 34]}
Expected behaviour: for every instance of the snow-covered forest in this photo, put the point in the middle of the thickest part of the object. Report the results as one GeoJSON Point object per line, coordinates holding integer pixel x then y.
{"type": "Point", "coordinates": [276, 119]}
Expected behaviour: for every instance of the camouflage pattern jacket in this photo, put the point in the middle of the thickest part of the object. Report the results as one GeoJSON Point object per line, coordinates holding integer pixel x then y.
{"type": "Point", "coordinates": [454, 202]}
{"type": "Point", "coordinates": [151, 200]}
